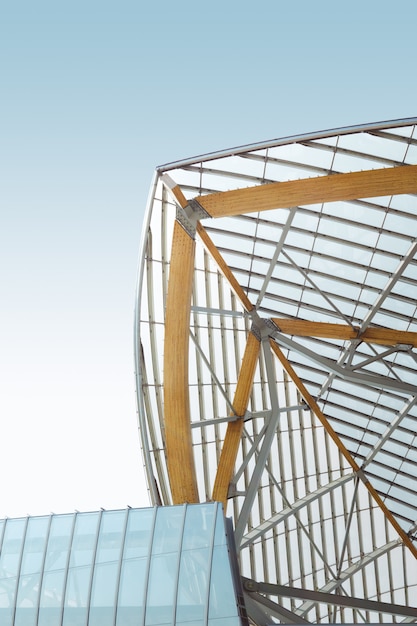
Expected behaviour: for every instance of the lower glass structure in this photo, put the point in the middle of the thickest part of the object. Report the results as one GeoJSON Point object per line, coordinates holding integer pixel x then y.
{"type": "Point", "coordinates": [153, 566]}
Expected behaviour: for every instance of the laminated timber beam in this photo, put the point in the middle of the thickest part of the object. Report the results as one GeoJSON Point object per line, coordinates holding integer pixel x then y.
{"type": "Point", "coordinates": [380, 336]}
{"type": "Point", "coordinates": [178, 442]}
{"type": "Point", "coordinates": [234, 429]}
{"type": "Point", "coordinates": [335, 187]}
{"type": "Point", "coordinates": [223, 267]}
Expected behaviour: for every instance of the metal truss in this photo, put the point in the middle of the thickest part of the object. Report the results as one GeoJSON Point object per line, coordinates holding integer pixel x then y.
{"type": "Point", "coordinates": [276, 362]}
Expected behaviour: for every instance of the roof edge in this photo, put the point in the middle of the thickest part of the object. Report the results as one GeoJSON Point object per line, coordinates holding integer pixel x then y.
{"type": "Point", "coordinates": [398, 123]}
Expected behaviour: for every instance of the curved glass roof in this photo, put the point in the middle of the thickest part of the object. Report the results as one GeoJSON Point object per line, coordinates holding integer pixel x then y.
{"type": "Point", "coordinates": [276, 341]}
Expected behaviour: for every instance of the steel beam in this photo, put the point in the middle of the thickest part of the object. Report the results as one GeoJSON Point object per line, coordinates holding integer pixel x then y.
{"type": "Point", "coordinates": [281, 613]}
{"type": "Point", "coordinates": [358, 378]}
{"type": "Point", "coordinates": [280, 517]}
{"type": "Point", "coordinates": [348, 573]}
{"type": "Point", "coordinates": [265, 447]}
{"type": "Point", "coordinates": [328, 598]}
{"type": "Point", "coordinates": [390, 430]}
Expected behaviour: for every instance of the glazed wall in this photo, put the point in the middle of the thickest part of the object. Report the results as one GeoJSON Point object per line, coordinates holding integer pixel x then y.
{"type": "Point", "coordinates": [162, 565]}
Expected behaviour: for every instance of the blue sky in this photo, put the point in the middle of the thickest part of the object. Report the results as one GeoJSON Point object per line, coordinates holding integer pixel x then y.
{"type": "Point", "coordinates": [94, 95]}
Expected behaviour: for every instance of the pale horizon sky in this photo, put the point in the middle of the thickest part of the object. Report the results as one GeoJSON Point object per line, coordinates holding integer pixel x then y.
{"type": "Point", "coordinates": [94, 95]}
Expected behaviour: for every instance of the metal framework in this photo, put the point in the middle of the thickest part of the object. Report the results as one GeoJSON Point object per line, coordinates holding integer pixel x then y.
{"type": "Point", "coordinates": [275, 340]}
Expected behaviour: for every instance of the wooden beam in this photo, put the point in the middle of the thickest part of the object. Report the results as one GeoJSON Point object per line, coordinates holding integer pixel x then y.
{"type": "Point", "coordinates": [380, 336]}
{"type": "Point", "coordinates": [223, 267]}
{"type": "Point", "coordinates": [304, 328]}
{"type": "Point", "coordinates": [175, 190]}
{"type": "Point", "coordinates": [388, 337]}
{"type": "Point", "coordinates": [312, 404]}
{"type": "Point", "coordinates": [178, 442]}
{"type": "Point", "coordinates": [233, 435]}
{"type": "Point", "coordinates": [350, 186]}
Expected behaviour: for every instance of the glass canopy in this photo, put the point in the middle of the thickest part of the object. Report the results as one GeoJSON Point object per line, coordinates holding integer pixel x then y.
{"type": "Point", "coordinates": [276, 341]}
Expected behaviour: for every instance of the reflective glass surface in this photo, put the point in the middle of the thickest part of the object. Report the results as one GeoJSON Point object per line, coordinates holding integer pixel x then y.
{"type": "Point", "coordinates": [30, 577]}
{"type": "Point", "coordinates": [107, 568]}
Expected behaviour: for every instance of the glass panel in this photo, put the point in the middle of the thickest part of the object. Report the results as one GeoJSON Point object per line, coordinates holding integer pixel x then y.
{"type": "Point", "coordinates": [56, 561]}
{"type": "Point", "coordinates": [111, 536]}
{"type": "Point", "coordinates": [9, 567]}
{"type": "Point", "coordinates": [193, 583]}
{"type": "Point", "coordinates": [220, 533]}
{"type": "Point", "coordinates": [163, 572]}
{"type": "Point", "coordinates": [168, 530]}
{"type": "Point", "coordinates": [138, 533]}
{"type": "Point", "coordinates": [77, 595]}
{"type": "Point", "coordinates": [162, 576]}
{"type": "Point", "coordinates": [59, 542]}
{"type": "Point", "coordinates": [132, 591]}
{"type": "Point", "coordinates": [31, 571]}
{"type": "Point", "coordinates": [80, 570]}
{"type": "Point", "coordinates": [198, 529]}
{"type": "Point", "coordinates": [103, 597]}
{"type": "Point", "coordinates": [106, 571]}
{"type": "Point", "coordinates": [134, 570]}
{"type": "Point", "coordinates": [222, 594]}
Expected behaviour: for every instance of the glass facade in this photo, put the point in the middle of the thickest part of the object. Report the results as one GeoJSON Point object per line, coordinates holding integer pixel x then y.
{"type": "Point", "coordinates": [162, 565]}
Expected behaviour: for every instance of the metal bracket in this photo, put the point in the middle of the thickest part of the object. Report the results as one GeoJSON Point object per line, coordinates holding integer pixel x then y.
{"type": "Point", "coordinates": [233, 491]}
{"type": "Point", "coordinates": [188, 217]}
{"type": "Point", "coordinates": [262, 328]}
{"type": "Point", "coordinates": [197, 209]}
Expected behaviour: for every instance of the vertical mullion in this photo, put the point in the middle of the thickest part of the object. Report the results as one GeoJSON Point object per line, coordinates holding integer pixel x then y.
{"type": "Point", "coordinates": [93, 565]}
{"type": "Point", "coordinates": [19, 568]}
{"type": "Point", "coordinates": [64, 588]}
{"type": "Point", "coordinates": [210, 559]}
{"type": "Point", "coordinates": [42, 572]}
{"type": "Point", "coordinates": [148, 567]}
{"type": "Point", "coordinates": [119, 573]}
{"type": "Point", "coordinates": [177, 580]}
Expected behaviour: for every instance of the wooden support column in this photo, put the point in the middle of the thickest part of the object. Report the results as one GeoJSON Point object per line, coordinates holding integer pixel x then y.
{"type": "Point", "coordinates": [178, 442]}
{"type": "Point", "coordinates": [234, 429]}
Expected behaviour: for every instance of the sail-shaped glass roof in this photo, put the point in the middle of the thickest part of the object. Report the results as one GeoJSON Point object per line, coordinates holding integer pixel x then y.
{"type": "Point", "coordinates": [276, 340]}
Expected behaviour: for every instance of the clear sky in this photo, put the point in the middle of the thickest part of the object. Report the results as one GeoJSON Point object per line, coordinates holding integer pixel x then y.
{"type": "Point", "coordinates": [95, 94]}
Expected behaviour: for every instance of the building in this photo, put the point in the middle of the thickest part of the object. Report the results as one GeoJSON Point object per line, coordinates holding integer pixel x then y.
{"type": "Point", "coordinates": [276, 345]}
